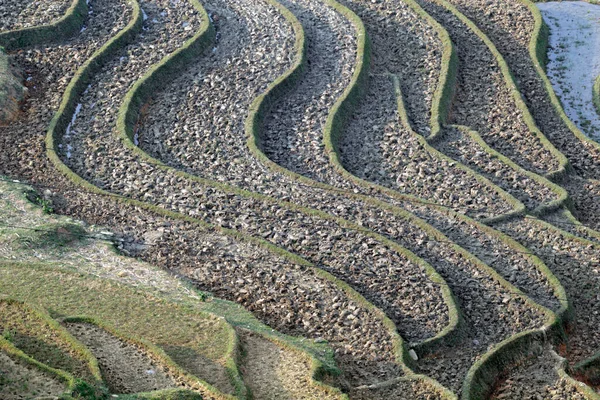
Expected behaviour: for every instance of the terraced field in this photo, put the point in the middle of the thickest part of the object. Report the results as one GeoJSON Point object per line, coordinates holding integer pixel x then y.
{"type": "Point", "coordinates": [390, 190]}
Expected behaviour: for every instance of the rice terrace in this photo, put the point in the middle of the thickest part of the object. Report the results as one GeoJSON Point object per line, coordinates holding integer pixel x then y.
{"type": "Point", "coordinates": [299, 199]}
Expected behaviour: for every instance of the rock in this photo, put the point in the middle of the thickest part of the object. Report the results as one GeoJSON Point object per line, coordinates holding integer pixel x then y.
{"type": "Point", "coordinates": [413, 355]}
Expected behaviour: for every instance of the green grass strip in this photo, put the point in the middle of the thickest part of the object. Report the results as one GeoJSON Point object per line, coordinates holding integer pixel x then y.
{"type": "Point", "coordinates": [589, 369]}
{"type": "Point", "coordinates": [163, 72]}
{"type": "Point", "coordinates": [68, 25]}
{"type": "Point", "coordinates": [319, 372]}
{"type": "Point", "coordinates": [76, 388]}
{"type": "Point", "coordinates": [447, 81]}
{"type": "Point", "coordinates": [587, 392]}
{"type": "Point", "coordinates": [566, 214]}
{"type": "Point", "coordinates": [75, 383]}
{"type": "Point", "coordinates": [485, 373]}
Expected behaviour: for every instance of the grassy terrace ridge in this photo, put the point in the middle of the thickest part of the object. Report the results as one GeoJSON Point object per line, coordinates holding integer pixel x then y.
{"type": "Point", "coordinates": [64, 383]}
{"type": "Point", "coordinates": [62, 28]}
{"type": "Point", "coordinates": [565, 219]}
{"type": "Point", "coordinates": [62, 117]}
{"type": "Point", "coordinates": [178, 300]}
{"type": "Point", "coordinates": [32, 336]}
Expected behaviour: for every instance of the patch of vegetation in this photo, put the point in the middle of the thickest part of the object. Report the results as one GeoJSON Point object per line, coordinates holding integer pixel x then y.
{"type": "Point", "coordinates": [44, 203]}
{"type": "Point", "coordinates": [52, 235]}
{"type": "Point", "coordinates": [84, 391]}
